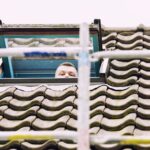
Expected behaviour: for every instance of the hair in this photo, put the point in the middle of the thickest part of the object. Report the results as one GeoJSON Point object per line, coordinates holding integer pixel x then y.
{"type": "Point", "coordinates": [67, 64]}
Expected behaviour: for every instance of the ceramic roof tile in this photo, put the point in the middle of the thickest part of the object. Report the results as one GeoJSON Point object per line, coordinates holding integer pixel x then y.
{"type": "Point", "coordinates": [52, 145]}
{"type": "Point", "coordinates": [2, 109]}
{"type": "Point", "coordinates": [64, 146]}
{"type": "Point", "coordinates": [10, 145]}
{"type": "Point", "coordinates": [144, 83]}
{"type": "Point", "coordinates": [122, 82]}
{"type": "Point", "coordinates": [18, 104]}
{"type": "Point", "coordinates": [130, 38]}
{"type": "Point", "coordinates": [13, 125]}
{"type": "Point", "coordinates": [13, 114]}
{"type": "Point", "coordinates": [141, 132]}
{"type": "Point", "coordinates": [128, 130]}
{"type": "Point", "coordinates": [143, 113]}
{"type": "Point", "coordinates": [111, 36]}
{"type": "Point", "coordinates": [116, 114]}
{"type": "Point", "coordinates": [124, 65]}
{"type": "Point", "coordinates": [146, 38]}
{"type": "Point", "coordinates": [51, 94]}
{"type": "Point", "coordinates": [133, 45]}
{"type": "Point", "coordinates": [58, 104]}
{"type": "Point", "coordinates": [145, 65]}
{"type": "Point", "coordinates": [110, 44]}
{"type": "Point", "coordinates": [146, 45]}
{"type": "Point", "coordinates": [144, 74]}
{"type": "Point", "coordinates": [5, 100]}
{"type": "Point", "coordinates": [96, 120]}
{"type": "Point", "coordinates": [98, 101]}
{"type": "Point", "coordinates": [54, 115]}
{"type": "Point", "coordinates": [108, 147]}
{"type": "Point", "coordinates": [37, 42]}
{"type": "Point", "coordinates": [121, 104]}
{"type": "Point", "coordinates": [142, 124]}
{"type": "Point", "coordinates": [98, 110]}
{"type": "Point", "coordinates": [7, 92]}
{"type": "Point", "coordinates": [144, 92]}
{"type": "Point", "coordinates": [41, 124]}
{"type": "Point", "coordinates": [40, 91]}
{"type": "Point", "coordinates": [118, 124]}
{"type": "Point", "coordinates": [144, 103]}
{"type": "Point", "coordinates": [123, 74]}
{"type": "Point", "coordinates": [122, 93]}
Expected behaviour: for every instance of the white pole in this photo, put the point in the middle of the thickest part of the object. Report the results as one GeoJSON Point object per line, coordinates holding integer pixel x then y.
{"type": "Point", "coordinates": [83, 92]}
{"type": "Point", "coordinates": [111, 139]}
{"type": "Point", "coordinates": [41, 51]}
{"type": "Point", "coordinates": [37, 135]}
{"type": "Point", "coordinates": [121, 54]}
{"type": "Point", "coordinates": [71, 135]}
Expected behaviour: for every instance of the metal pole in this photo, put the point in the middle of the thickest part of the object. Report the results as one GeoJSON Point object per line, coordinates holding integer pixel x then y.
{"type": "Point", "coordinates": [71, 135]}
{"type": "Point", "coordinates": [121, 54]}
{"type": "Point", "coordinates": [41, 51]}
{"type": "Point", "coordinates": [37, 135]}
{"type": "Point", "coordinates": [111, 139]}
{"type": "Point", "coordinates": [83, 92]}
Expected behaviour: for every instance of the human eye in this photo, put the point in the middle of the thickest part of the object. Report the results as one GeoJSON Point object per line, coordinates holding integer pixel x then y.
{"type": "Point", "coordinates": [62, 73]}
{"type": "Point", "coordinates": [72, 74]}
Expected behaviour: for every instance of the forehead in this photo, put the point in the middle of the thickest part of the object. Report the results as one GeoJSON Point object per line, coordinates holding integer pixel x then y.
{"type": "Point", "coordinates": [66, 68]}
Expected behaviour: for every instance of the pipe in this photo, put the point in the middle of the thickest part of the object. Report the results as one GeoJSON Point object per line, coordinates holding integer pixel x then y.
{"type": "Point", "coordinates": [83, 92]}
{"type": "Point", "coordinates": [121, 54]}
{"type": "Point", "coordinates": [41, 51]}
{"type": "Point", "coordinates": [37, 135]}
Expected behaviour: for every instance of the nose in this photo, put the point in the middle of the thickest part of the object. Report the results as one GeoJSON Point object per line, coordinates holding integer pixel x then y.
{"type": "Point", "coordinates": [66, 75]}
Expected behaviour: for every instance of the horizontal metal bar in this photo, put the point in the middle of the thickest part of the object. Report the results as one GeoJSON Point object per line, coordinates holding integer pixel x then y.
{"type": "Point", "coordinates": [44, 52]}
{"type": "Point", "coordinates": [72, 135]}
{"type": "Point", "coordinates": [37, 135]}
{"type": "Point", "coordinates": [121, 54]}
{"type": "Point", "coordinates": [123, 140]}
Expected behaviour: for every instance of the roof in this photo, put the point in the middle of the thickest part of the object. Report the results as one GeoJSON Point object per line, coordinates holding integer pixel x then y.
{"type": "Point", "coordinates": [121, 106]}
{"type": "Point", "coordinates": [126, 38]}
{"type": "Point", "coordinates": [52, 108]}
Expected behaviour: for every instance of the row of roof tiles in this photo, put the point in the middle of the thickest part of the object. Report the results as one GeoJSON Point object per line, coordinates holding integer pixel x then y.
{"type": "Point", "coordinates": [111, 112]}
{"type": "Point", "coordinates": [128, 72]}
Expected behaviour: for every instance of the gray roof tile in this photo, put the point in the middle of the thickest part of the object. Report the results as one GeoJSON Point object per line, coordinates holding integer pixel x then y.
{"type": "Point", "coordinates": [144, 103]}
{"type": "Point", "coordinates": [40, 91]}
{"type": "Point", "coordinates": [13, 125]}
{"type": "Point", "coordinates": [18, 104]}
{"type": "Point", "coordinates": [124, 65]}
{"type": "Point", "coordinates": [42, 124]}
{"type": "Point", "coordinates": [14, 114]}
{"type": "Point", "coordinates": [122, 93]}
{"type": "Point", "coordinates": [143, 124]}
{"type": "Point", "coordinates": [118, 124]}
{"type": "Point", "coordinates": [128, 130]}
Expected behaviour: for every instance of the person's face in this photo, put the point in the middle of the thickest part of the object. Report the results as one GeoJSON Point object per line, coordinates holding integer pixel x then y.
{"type": "Point", "coordinates": [66, 72]}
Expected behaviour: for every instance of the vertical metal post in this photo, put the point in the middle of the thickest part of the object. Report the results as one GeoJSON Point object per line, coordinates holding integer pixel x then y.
{"type": "Point", "coordinates": [83, 92]}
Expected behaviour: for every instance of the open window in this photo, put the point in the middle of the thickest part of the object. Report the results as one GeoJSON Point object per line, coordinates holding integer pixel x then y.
{"type": "Point", "coordinates": [43, 36]}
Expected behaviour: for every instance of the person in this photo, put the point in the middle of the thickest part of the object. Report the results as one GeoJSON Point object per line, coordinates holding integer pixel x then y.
{"type": "Point", "coordinates": [66, 70]}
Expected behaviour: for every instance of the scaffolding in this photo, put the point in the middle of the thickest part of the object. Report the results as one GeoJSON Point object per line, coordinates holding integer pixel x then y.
{"type": "Point", "coordinates": [82, 53]}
